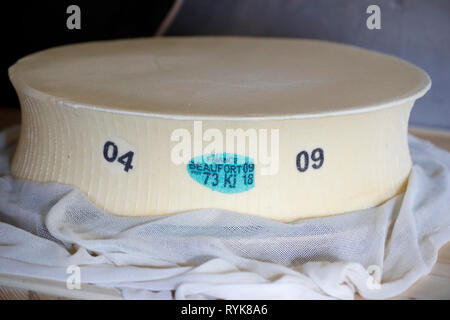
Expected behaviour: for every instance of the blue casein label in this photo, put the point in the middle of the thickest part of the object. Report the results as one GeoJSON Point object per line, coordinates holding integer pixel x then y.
{"type": "Point", "coordinates": [223, 172]}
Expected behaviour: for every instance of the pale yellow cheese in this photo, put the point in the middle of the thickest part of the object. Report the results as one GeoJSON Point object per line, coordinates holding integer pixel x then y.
{"type": "Point", "coordinates": [350, 103]}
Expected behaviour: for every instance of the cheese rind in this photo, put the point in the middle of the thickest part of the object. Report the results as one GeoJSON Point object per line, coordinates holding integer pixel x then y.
{"type": "Point", "coordinates": [120, 155]}
{"type": "Point", "coordinates": [366, 162]}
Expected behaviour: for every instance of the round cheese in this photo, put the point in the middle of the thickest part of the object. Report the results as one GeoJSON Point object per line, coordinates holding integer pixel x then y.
{"type": "Point", "coordinates": [278, 128]}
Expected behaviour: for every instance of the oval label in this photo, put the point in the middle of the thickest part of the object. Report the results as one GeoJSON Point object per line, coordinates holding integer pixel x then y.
{"type": "Point", "coordinates": [223, 172]}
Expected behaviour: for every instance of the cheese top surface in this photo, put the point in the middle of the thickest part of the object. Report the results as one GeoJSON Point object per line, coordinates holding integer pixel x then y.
{"type": "Point", "coordinates": [220, 77]}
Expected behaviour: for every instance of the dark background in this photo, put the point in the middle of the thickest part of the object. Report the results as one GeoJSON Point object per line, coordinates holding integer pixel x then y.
{"type": "Point", "coordinates": [30, 26]}
{"type": "Point", "coordinates": [415, 30]}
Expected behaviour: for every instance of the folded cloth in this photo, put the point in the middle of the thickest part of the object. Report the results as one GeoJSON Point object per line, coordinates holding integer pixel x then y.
{"type": "Point", "coordinates": [214, 254]}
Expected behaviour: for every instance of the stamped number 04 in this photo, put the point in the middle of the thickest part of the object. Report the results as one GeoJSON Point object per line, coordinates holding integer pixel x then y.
{"type": "Point", "coordinates": [111, 154]}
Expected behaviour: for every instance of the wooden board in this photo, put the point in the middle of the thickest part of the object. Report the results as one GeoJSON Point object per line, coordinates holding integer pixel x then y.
{"type": "Point", "coordinates": [28, 288]}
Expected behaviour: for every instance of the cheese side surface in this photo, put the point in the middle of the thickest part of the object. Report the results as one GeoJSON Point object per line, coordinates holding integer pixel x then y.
{"type": "Point", "coordinates": [292, 129]}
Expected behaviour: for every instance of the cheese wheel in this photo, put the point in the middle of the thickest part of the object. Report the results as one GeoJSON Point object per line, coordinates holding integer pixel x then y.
{"type": "Point", "coordinates": [278, 128]}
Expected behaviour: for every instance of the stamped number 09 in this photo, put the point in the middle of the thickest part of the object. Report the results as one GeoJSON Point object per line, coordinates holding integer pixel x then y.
{"type": "Point", "coordinates": [303, 159]}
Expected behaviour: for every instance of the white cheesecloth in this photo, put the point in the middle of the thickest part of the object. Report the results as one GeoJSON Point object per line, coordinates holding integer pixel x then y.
{"type": "Point", "coordinates": [211, 254]}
